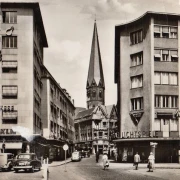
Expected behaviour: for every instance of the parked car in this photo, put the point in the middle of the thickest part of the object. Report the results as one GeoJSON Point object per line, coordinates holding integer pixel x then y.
{"type": "Point", "coordinates": [76, 156]}
{"type": "Point", "coordinates": [85, 154]}
{"type": "Point", "coordinates": [27, 161]}
{"type": "Point", "coordinates": [6, 161]}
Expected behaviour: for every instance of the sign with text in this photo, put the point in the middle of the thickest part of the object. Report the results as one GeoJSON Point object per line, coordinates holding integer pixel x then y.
{"type": "Point", "coordinates": [7, 132]}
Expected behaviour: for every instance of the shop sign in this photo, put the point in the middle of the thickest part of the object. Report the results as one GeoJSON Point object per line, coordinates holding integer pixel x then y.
{"type": "Point", "coordinates": [6, 131]}
{"type": "Point", "coordinates": [139, 134]}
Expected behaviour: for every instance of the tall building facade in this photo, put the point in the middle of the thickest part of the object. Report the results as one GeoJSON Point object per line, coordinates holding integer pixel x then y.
{"type": "Point", "coordinates": [36, 113]}
{"type": "Point", "coordinates": [95, 82]}
{"type": "Point", "coordinates": [147, 77]}
{"type": "Point", "coordinates": [95, 125]}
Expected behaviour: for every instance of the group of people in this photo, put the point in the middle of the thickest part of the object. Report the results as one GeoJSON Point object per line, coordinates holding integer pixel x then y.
{"type": "Point", "coordinates": [137, 160]}
{"type": "Point", "coordinates": [150, 164]}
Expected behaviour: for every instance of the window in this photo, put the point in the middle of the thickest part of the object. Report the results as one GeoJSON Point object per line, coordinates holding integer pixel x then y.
{"type": "Point", "coordinates": [137, 81]}
{"type": "Point", "coordinates": [136, 104]}
{"type": "Point", "coordinates": [9, 17]}
{"type": "Point", "coordinates": [173, 32]}
{"type": "Point", "coordinates": [9, 66]}
{"type": "Point", "coordinates": [165, 101]}
{"type": "Point", "coordinates": [9, 92]}
{"type": "Point", "coordinates": [94, 93]}
{"type": "Point", "coordinates": [9, 115]}
{"type": "Point", "coordinates": [137, 59]}
{"type": "Point", "coordinates": [136, 37]}
{"type": "Point", "coordinates": [165, 55]}
{"type": "Point", "coordinates": [174, 55]}
{"type": "Point", "coordinates": [104, 124]}
{"type": "Point", "coordinates": [161, 31]}
{"type": "Point", "coordinates": [9, 41]}
{"type": "Point", "coordinates": [100, 94]}
{"type": "Point", "coordinates": [166, 78]}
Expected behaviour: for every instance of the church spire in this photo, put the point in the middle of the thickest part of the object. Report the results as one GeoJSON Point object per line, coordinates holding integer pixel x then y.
{"type": "Point", "coordinates": [95, 81]}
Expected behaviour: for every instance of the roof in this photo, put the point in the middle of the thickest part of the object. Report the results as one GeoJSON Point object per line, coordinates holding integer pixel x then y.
{"type": "Point", "coordinates": [146, 14]}
{"type": "Point", "coordinates": [35, 6]}
{"type": "Point", "coordinates": [95, 73]}
{"type": "Point", "coordinates": [84, 113]}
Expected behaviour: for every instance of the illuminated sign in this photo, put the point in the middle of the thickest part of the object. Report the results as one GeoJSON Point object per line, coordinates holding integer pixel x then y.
{"type": "Point", "coordinates": [6, 131]}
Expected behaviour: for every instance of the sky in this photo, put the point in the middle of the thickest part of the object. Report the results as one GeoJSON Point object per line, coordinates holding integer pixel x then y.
{"type": "Point", "coordinates": [69, 29]}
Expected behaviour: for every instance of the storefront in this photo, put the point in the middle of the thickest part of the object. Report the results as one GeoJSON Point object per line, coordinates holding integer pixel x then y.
{"type": "Point", "coordinates": [166, 149]}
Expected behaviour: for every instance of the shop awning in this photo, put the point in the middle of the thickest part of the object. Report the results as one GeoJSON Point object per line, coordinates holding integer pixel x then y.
{"type": "Point", "coordinates": [15, 145]}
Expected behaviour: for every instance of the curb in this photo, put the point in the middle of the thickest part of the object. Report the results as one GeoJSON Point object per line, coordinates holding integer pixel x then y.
{"type": "Point", "coordinates": [62, 163]}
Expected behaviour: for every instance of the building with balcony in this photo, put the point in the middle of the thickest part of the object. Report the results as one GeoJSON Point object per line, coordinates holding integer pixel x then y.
{"type": "Point", "coordinates": [147, 77]}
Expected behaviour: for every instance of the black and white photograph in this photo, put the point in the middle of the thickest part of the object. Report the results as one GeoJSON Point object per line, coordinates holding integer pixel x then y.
{"type": "Point", "coordinates": [89, 90]}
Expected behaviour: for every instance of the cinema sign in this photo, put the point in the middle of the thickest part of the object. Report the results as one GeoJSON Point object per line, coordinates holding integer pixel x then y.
{"type": "Point", "coordinates": [139, 134]}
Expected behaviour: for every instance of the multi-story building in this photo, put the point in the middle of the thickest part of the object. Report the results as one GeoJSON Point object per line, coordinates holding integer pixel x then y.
{"type": "Point", "coordinates": [36, 113]}
{"type": "Point", "coordinates": [58, 113]}
{"type": "Point", "coordinates": [147, 76]}
{"type": "Point", "coordinates": [22, 39]}
{"type": "Point", "coordinates": [94, 126]}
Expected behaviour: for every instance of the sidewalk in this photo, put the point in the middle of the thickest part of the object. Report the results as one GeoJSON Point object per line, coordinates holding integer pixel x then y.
{"type": "Point", "coordinates": [59, 163]}
{"type": "Point", "coordinates": [144, 165]}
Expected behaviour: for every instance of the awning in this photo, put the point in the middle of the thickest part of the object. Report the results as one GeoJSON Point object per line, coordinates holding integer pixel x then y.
{"type": "Point", "coordinates": [146, 139]}
{"type": "Point", "coordinates": [175, 56]}
{"type": "Point", "coordinates": [16, 145]}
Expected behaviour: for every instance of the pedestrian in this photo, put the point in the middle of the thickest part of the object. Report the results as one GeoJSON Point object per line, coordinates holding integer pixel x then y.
{"type": "Point", "coordinates": [115, 155]}
{"type": "Point", "coordinates": [136, 160]}
{"type": "Point", "coordinates": [97, 156]}
{"type": "Point", "coordinates": [151, 160]}
{"type": "Point", "coordinates": [105, 161]}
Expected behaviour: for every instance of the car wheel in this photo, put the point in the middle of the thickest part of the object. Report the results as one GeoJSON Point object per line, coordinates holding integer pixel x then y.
{"type": "Point", "coordinates": [16, 170]}
{"type": "Point", "coordinates": [39, 168]}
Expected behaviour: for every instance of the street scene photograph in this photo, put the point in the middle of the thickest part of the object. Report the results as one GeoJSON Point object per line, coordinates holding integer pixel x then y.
{"type": "Point", "coordinates": [89, 90]}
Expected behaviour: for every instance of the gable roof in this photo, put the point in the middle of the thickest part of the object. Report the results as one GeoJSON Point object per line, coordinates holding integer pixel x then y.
{"type": "Point", "coordinates": [84, 113]}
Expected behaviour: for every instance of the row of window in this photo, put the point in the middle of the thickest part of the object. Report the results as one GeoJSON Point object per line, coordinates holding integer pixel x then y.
{"type": "Point", "coordinates": [93, 93]}
{"type": "Point", "coordinates": [159, 55]}
{"type": "Point", "coordinates": [160, 101]}
{"type": "Point", "coordinates": [9, 92]}
{"type": "Point", "coordinates": [165, 55]}
{"type": "Point", "coordinates": [9, 41]}
{"type": "Point", "coordinates": [160, 31]}
{"type": "Point", "coordinates": [165, 31]}
{"type": "Point", "coordinates": [163, 101]}
{"type": "Point", "coordinates": [168, 78]}
{"type": "Point", "coordinates": [168, 125]}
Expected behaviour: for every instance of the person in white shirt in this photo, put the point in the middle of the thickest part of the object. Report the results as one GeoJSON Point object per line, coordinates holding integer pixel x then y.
{"type": "Point", "coordinates": [151, 160]}
{"type": "Point", "coordinates": [105, 161]}
{"type": "Point", "coordinates": [136, 160]}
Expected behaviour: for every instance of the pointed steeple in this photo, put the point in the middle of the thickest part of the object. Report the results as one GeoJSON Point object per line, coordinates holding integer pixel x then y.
{"type": "Point", "coordinates": [95, 72]}
{"type": "Point", "coordinates": [95, 81]}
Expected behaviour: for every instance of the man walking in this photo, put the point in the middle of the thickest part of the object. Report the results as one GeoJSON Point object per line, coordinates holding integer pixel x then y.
{"type": "Point", "coordinates": [97, 156]}
{"type": "Point", "coordinates": [136, 160]}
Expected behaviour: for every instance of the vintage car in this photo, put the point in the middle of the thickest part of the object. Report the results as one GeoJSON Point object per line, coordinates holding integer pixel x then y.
{"type": "Point", "coordinates": [85, 154]}
{"type": "Point", "coordinates": [6, 161]}
{"type": "Point", "coordinates": [27, 161]}
{"type": "Point", "coordinates": [76, 156]}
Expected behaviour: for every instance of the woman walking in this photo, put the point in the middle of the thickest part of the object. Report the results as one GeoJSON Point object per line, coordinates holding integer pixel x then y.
{"type": "Point", "coordinates": [105, 161]}
{"type": "Point", "coordinates": [151, 159]}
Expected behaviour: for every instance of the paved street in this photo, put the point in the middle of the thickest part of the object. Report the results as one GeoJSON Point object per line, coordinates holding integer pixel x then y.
{"type": "Point", "coordinates": [87, 169]}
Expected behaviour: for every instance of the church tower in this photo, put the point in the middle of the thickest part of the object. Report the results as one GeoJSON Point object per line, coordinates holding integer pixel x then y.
{"type": "Point", "coordinates": [95, 82]}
